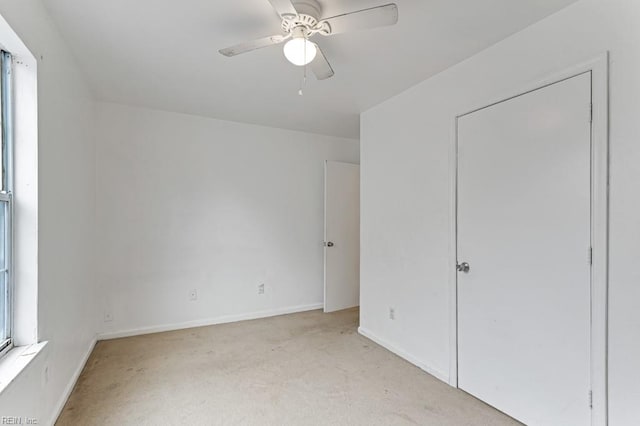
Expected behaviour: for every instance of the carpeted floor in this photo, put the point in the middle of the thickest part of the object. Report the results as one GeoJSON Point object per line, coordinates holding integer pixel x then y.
{"type": "Point", "coordinates": [302, 369]}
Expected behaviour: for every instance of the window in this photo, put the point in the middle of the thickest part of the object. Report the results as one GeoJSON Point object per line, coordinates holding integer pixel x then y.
{"type": "Point", "coordinates": [6, 205]}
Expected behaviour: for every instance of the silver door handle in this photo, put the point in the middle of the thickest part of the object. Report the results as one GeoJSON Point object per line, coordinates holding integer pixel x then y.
{"type": "Point", "coordinates": [463, 267]}
{"type": "Point", "coordinates": [328, 244]}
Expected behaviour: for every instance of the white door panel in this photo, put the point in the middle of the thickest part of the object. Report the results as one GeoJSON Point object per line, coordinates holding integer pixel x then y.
{"type": "Point", "coordinates": [524, 228]}
{"type": "Point", "coordinates": [342, 234]}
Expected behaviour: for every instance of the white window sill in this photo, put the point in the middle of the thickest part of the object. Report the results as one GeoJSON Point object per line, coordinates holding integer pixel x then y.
{"type": "Point", "coordinates": [15, 361]}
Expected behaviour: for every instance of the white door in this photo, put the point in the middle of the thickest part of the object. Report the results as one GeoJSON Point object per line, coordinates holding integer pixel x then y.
{"type": "Point", "coordinates": [341, 236]}
{"type": "Point", "coordinates": [524, 229]}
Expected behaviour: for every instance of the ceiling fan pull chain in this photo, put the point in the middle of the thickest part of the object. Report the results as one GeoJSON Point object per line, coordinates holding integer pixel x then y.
{"type": "Point", "coordinates": [303, 83]}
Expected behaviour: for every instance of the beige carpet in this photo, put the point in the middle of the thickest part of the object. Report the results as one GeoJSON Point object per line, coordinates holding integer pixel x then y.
{"type": "Point", "coordinates": [302, 369]}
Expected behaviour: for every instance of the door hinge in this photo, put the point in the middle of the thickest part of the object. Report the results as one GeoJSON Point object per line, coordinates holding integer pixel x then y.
{"type": "Point", "coordinates": [590, 255]}
{"type": "Point", "coordinates": [591, 112]}
{"type": "Point", "coordinates": [590, 399]}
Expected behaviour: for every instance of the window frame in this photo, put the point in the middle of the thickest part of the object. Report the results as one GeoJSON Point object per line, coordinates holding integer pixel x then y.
{"type": "Point", "coordinates": [6, 193]}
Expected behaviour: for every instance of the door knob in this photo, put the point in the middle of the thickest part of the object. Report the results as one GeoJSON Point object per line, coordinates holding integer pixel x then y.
{"type": "Point", "coordinates": [328, 244]}
{"type": "Point", "coordinates": [463, 267]}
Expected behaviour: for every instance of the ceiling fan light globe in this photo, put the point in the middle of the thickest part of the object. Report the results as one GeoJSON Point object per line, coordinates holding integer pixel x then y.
{"type": "Point", "coordinates": [300, 51]}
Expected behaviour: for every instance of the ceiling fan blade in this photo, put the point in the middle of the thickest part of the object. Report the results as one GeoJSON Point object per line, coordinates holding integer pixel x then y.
{"type": "Point", "coordinates": [253, 45]}
{"type": "Point", "coordinates": [284, 8]}
{"type": "Point", "coordinates": [321, 67]}
{"type": "Point", "coordinates": [363, 19]}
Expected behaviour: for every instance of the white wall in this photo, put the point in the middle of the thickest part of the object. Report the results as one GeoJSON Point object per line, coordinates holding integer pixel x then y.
{"type": "Point", "coordinates": [188, 203]}
{"type": "Point", "coordinates": [65, 221]}
{"type": "Point", "coordinates": [405, 154]}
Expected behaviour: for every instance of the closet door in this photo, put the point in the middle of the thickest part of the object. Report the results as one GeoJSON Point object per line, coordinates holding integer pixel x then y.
{"type": "Point", "coordinates": [524, 254]}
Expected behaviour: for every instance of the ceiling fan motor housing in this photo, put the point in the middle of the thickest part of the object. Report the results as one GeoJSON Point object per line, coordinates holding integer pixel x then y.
{"type": "Point", "coordinates": [309, 12]}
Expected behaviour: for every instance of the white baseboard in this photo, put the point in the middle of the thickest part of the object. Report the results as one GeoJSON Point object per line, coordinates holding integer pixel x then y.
{"type": "Point", "coordinates": [72, 382]}
{"type": "Point", "coordinates": [404, 355]}
{"type": "Point", "coordinates": [209, 321]}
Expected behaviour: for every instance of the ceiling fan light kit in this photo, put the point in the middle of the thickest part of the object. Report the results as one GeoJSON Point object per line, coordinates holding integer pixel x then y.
{"type": "Point", "coordinates": [299, 50]}
{"type": "Point", "coordinates": [301, 21]}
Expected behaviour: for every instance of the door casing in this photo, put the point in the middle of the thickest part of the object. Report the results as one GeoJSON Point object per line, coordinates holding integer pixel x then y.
{"type": "Point", "coordinates": [599, 67]}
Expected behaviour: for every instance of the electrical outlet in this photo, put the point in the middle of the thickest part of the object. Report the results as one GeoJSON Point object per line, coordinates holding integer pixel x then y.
{"type": "Point", "coordinates": [392, 313]}
{"type": "Point", "coordinates": [261, 289]}
{"type": "Point", "coordinates": [193, 295]}
{"type": "Point", "coordinates": [108, 317]}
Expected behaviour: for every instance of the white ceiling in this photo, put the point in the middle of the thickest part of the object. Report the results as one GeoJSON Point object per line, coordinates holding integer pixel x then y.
{"type": "Point", "coordinates": [163, 55]}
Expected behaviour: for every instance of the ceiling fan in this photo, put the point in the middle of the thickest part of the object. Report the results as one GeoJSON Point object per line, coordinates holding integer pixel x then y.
{"type": "Point", "coordinates": [301, 21]}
